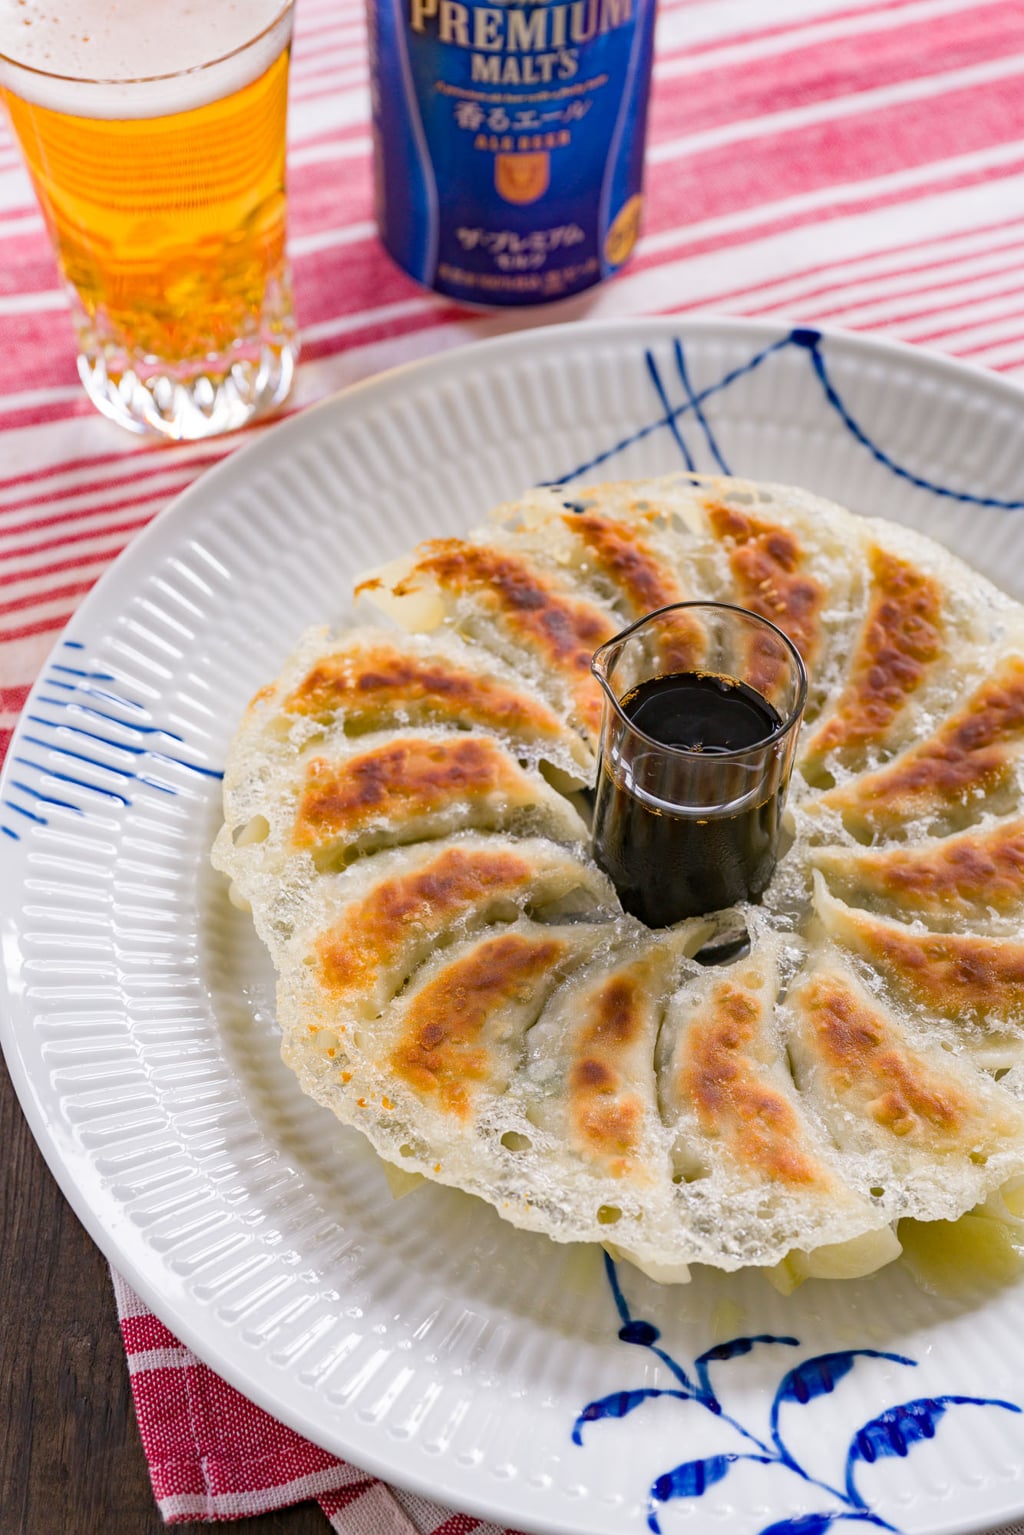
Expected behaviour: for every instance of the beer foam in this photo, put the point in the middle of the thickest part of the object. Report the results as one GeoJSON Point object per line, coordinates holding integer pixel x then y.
{"type": "Point", "coordinates": [134, 58]}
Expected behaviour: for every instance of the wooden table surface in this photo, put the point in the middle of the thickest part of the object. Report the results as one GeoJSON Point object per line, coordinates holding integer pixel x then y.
{"type": "Point", "coordinates": [71, 1462]}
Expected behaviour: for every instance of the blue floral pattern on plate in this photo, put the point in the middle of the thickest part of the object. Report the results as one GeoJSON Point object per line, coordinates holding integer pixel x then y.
{"type": "Point", "coordinates": [893, 1432]}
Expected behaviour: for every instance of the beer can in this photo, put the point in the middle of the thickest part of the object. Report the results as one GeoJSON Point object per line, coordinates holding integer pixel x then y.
{"type": "Point", "coordinates": [509, 141]}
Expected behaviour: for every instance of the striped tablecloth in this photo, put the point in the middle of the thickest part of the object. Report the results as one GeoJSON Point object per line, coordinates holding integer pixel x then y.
{"type": "Point", "coordinates": [852, 162]}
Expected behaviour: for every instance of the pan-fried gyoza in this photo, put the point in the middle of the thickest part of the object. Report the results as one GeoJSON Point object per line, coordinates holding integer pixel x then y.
{"type": "Point", "coordinates": [405, 816]}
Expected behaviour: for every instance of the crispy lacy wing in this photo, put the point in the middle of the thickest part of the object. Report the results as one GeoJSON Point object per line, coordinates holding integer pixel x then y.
{"type": "Point", "coordinates": [360, 935]}
{"type": "Point", "coordinates": [927, 1130]}
{"type": "Point", "coordinates": [442, 1080]}
{"type": "Point", "coordinates": [963, 769]}
{"type": "Point", "coordinates": [970, 988]}
{"type": "Point", "coordinates": [509, 604]}
{"type": "Point", "coordinates": [755, 1176]}
{"type": "Point", "coordinates": [373, 679]}
{"type": "Point", "coordinates": [975, 877]}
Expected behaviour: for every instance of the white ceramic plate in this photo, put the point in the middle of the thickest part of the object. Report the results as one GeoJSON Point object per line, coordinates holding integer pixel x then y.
{"type": "Point", "coordinates": [423, 1338]}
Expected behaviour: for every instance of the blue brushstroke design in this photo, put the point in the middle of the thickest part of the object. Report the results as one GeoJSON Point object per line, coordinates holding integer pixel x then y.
{"type": "Point", "coordinates": [45, 799]}
{"type": "Point", "coordinates": [805, 339]}
{"type": "Point", "coordinates": [79, 783]}
{"type": "Point", "coordinates": [898, 1429]}
{"type": "Point", "coordinates": [602, 458]}
{"type": "Point", "coordinates": [670, 419]}
{"type": "Point", "coordinates": [98, 748]}
{"type": "Point", "coordinates": [811, 340]}
{"type": "Point", "coordinates": [130, 747]}
{"type": "Point", "coordinates": [73, 644]}
{"type": "Point", "coordinates": [190, 767]}
{"type": "Point", "coordinates": [619, 1404]}
{"type": "Point", "coordinates": [643, 1334]}
{"type": "Point", "coordinates": [65, 751]}
{"type": "Point", "coordinates": [86, 677]}
{"type": "Point", "coordinates": [692, 1479]}
{"type": "Point", "coordinates": [119, 746]}
{"type": "Point", "coordinates": [709, 437]}
{"type": "Point", "coordinates": [893, 1432]}
{"type": "Point", "coordinates": [734, 1349]}
{"type": "Point", "coordinates": [674, 414]}
{"type": "Point", "coordinates": [76, 671]}
{"type": "Point", "coordinates": [28, 814]}
{"type": "Point", "coordinates": [113, 698]}
{"type": "Point", "coordinates": [805, 1524]}
{"type": "Point", "coordinates": [106, 767]}
{"type": "Point", "coordinates": [9, 833]}
{"type": "Point", "coordinates": [820, 1376]}
{"type": "Point", "coordinates": [111, 719]}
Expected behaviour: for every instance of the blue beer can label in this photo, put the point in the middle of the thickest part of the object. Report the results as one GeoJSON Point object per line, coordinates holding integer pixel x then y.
{"type": "Point", "coordinates": [509, 141]}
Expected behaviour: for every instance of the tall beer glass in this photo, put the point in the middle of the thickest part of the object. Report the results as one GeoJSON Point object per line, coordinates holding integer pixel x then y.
{"type": "Point", "coordinates": [155, 137]}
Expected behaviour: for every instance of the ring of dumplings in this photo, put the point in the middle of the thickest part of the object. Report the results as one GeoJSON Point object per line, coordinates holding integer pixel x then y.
{"type": "Point", "coordinates": [406, 817]}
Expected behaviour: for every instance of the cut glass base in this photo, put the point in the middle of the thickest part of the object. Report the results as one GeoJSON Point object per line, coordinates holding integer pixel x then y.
{"type": "Point", "coordinates": [203, 405]}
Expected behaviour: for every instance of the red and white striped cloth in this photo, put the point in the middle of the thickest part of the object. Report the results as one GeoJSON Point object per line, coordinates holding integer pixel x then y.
{"type": "Point", "coordinates": [214, 1455]}
{"type": "Point", "coordinates": [851, 162]}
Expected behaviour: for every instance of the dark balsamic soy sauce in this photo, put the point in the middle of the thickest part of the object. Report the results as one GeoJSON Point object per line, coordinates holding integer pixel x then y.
{"type": "Point", "coordinates": [668, 864]}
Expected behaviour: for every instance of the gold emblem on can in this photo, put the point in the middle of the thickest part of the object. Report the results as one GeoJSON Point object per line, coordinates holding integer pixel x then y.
{"type": "Point", "coordinates": [522, 178]}
{"type": "Point", "coordinates": [624, 231]}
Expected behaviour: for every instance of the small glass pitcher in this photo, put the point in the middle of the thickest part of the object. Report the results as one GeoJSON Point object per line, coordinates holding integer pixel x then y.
{"type": "Point", "coordinates": [694, 763]}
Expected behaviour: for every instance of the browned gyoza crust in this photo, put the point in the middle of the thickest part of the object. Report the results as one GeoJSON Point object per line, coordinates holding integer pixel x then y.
{"type": "Point", "coordinates": [973, 874]}
{"type": "Point", "coordinates": [900, 640]}
{"type": "Point", "coordinates": [770, 567]}
{"type": "Point", "coordinates": [385, 681]}
{"type": "Point", "coordinates": [446, 1049]}
{"type": "Point", "coordinates": [970, 755]}
{"type": "Point", "coordinates": [559, 629]}
{"type": "Point", "coordinates": [455, 882]}
{"type": "Point", "coordinates": [751, 1120]}
{"type": "Point", "coordinates": [408, 778]}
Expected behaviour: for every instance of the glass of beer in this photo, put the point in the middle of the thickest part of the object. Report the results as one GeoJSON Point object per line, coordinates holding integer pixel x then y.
{"type": "Point", "coordinates": [155, 138]}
